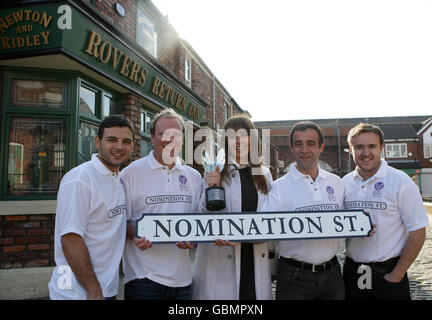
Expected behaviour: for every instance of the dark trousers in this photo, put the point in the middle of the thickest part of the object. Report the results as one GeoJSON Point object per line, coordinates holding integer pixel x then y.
{"type": "Point", "coordinates": [366, 281]}
{"type": "Point", "coordinates": [146, 289]}
{"type": "Point", "coordinates": [297, 283]}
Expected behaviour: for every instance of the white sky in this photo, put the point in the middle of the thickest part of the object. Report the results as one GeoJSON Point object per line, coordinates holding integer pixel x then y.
{"type": "Point", "coordinates": [309, 59]}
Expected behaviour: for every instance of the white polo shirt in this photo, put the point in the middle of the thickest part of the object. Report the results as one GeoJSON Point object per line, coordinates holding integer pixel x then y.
{"type": "Point", "coordinates": [152, 188]}
{"type": "Point", "coordinates": [90, 203]}
{"type": "Point", "coordinates": [396, 207]}
{"type": "Point", "coordinates": [296, 191]}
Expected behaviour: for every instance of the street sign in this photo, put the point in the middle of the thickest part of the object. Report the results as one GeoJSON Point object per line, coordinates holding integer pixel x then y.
{"type": "Point", "coordinates": [253, 226]}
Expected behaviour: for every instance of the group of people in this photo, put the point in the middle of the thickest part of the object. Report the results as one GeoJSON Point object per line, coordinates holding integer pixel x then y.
{"type": "Point", "coordinates": [97, 206]}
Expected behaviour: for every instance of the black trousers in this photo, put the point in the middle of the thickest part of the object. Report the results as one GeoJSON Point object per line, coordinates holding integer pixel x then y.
{"type": "Point", "coordinates": [366, 281]}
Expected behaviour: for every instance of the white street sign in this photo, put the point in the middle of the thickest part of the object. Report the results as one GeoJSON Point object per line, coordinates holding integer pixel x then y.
{"type": "Point", "coordinates": [253, 226]}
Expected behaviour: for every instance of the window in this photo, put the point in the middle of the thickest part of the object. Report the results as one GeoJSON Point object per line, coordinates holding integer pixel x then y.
{"type": "Point", "coordinates": [109, 106]}
{"type": "Point", "coordinates": [34, 165]}
{"type": "Point", "coordinates": [35, 93]}
{"type": "Point", "coordinates": [188, 72]}
{"type": "Point", "coordinates": [87, 102]}
{"type": "Point", "coordinates": [396, 150]}
{"type": "Point", "coordinates": [146, 119]}
{"type": "Point", "coordinates": [146, 33]}
{"type": "Point", "coordinates": [427, 151]}
{"type": "Point", "coordinates": [146, 146]}
{"type": "Point", "coordinates": [86, 146]}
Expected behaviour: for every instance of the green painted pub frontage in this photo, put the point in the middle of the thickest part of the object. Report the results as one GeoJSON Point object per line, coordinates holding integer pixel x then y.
{"type": "Point", "coordinates": [62, 71]}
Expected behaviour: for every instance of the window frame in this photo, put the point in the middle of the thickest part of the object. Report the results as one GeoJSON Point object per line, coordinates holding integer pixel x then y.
{"type": "Point", "coordinates": [70, 114]}
{"type": "Point", "coordinates": [399, 154]}
{"type": "Point", "coordinates": [155, 52]}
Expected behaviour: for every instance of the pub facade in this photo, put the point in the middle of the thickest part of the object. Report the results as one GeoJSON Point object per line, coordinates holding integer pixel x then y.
{"type": "Point", "coordinates": [64, 66]}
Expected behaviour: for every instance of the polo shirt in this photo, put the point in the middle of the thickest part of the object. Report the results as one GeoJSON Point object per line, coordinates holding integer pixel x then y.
{"type": "Point", "coordinates": [153, 188]}
{"type": "Point", "coordinates": [296, 191]}
{"type": "Point", "coordinates": [90, 203]}
{"type": "Point", "coordinates": [395, 205]}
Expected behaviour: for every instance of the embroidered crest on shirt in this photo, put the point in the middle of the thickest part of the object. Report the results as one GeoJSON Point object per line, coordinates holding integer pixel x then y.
{"type": "Point", "coordinates": [183, 183]}
{"type": "Point", "coordinates": [378, 187]}
{"type": "Point", "coordinates": [330, 193]}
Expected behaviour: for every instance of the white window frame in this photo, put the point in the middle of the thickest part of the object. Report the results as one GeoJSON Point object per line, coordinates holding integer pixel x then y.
{"type": "Point", "coordinates": [427, 151]}
{"type": "Point", "coordinates": [394, 150]}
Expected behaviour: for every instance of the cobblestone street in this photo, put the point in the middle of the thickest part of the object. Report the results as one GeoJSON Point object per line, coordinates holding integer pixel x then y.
{"type": "Point", "coordinates": [420, 273]}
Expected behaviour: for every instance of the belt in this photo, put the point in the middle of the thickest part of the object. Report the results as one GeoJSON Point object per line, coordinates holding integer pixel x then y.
{"type": "Point", "coordinates": [390, 263]}
{"type": "Point", "coordinates": [311, 267]}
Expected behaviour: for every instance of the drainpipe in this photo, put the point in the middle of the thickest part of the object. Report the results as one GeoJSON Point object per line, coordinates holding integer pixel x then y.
{"type": "Point", "coordinates": [339, 147]}
{"type": "Point", "coordinates": [214, 102]}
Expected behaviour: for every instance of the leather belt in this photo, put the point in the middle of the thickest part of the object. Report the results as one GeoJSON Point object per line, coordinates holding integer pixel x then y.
{"type": "Point", "coordinates": [311, 267]}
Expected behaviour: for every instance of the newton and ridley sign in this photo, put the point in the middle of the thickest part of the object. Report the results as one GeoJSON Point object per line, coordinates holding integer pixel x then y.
{"type": "Point", "coordinates": [256, 226]}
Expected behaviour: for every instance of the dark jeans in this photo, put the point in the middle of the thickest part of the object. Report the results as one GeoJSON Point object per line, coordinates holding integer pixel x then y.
{"type": "Point", "coordinates": [294, 283]}
{"type": "Point", "coordinates": [357, 287]}
{"type": "Point", "coordinates": [146, 289]}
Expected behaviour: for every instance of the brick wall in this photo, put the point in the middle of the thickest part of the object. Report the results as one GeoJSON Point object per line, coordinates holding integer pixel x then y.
{"type": "Point", "coordinates": [26, 241]}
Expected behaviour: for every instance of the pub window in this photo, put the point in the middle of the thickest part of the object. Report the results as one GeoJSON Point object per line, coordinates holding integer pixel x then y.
{"type": "Point", "coordinates": [146, 145]}
{"type": "Point", "coordinates": [396, 150]}
{"type": "Point", "coordinates": [109, 106]}
{"type": "Point", "coordinates": [86, 145]}
{"type": "Point", "coordinates": [36, 93]}
{"type": "Point", "coordinates": [33, 167]}
{"type": "Point", "coordinates": [87, 100]}
{"type": "Point", "coordinates": [146, 33]}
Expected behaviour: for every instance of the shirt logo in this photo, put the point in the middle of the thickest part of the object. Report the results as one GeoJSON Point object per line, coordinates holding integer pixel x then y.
{"type": "Point", "coordinates": [379, 185]}
{"type": "Point", "coordinates": [168, 199]}
{"type": "Point", "coordinates": [329, 190]}
{"type": "Point", "coordinates": [183, 181]}
{"type": "Point", "coordinates": [117, 211]}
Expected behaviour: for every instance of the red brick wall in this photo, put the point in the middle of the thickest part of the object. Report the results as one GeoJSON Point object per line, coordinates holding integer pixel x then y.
{"type": "Point", "coordinates": [27, 241]}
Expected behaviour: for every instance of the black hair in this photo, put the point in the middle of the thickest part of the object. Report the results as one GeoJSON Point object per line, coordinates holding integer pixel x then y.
{"type": "Point", "coordinates": [115, 120]}
{"type": "Point", "coordinates": [303, 126]}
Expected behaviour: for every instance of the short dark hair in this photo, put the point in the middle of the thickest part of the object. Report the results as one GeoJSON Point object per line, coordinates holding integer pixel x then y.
{"type": "Point", "coordinates": [115, 120]}
{"type": "Point", "coordinates": [303, 126]}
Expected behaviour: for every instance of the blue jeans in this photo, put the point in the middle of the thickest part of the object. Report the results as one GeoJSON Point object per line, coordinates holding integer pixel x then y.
{"type": "Point", "coordinates": [146, 289]}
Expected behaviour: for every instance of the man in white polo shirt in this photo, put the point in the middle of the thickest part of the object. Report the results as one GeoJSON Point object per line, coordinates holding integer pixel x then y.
{"type": "Point", "coordinates": [376, 267]}
{"type": "Point", "coordinates": [159, 183]}
{"type": "Point", "coordinates": [307, 269]}
{"type": "Point", "coordinates": [90, 226]}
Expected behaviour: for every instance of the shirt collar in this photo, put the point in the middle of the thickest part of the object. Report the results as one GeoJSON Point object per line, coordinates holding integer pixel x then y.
{"type": "Point", "coordinates": [379, 174]}
{"type": "Point", "coordinates": [297, 175]}
{"type": "Point", "coordinates": [154, 164]}
{"type": "Point", "coordinates": [100, 166]}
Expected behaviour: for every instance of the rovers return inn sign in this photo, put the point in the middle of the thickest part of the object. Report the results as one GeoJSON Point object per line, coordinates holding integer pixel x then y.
{"type": "Point", "coordinates": [262, 226]}
{"type": "Point", "coordinates": [63, 29]}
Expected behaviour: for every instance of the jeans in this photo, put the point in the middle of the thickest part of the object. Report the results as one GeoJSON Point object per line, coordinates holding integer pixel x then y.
{"type": "Point", "coordinates": [146, 289]}
{"type": "Point", "coordinates": [379, 288]}
{"type": "Point", "coordinates": [294, 283]}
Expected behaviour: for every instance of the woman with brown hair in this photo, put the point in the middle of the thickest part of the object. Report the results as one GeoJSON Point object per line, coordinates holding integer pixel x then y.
{"type": "Point", "coordinates": [226, 270]}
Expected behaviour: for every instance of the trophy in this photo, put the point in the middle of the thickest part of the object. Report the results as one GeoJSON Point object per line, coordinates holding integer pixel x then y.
{"type": "Point", "coordinates": [215, 195]}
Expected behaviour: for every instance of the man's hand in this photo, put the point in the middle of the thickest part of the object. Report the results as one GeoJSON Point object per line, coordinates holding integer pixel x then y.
{"type": "Point", "coordinates": [142, 243]}
{"type": "Point", "coordinates": [184, 245]}
{"type": "Point", "coordinates": [223, 243]}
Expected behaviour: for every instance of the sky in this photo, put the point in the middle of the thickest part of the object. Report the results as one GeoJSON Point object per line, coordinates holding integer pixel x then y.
{"type": "Point", "coordinates": [312, 59]}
